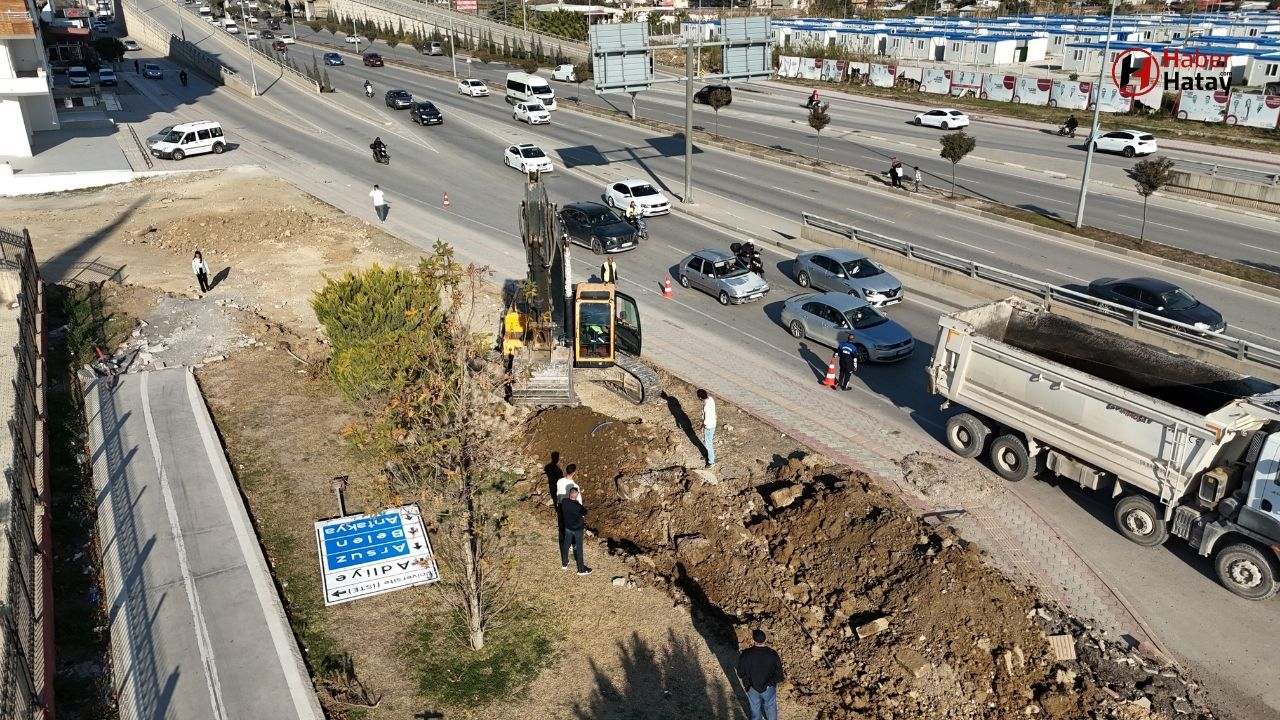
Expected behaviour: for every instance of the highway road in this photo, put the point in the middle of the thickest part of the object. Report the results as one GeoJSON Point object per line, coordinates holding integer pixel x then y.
{"type": "Point", "coordinates": [742, 353]}
{"type": "Point", "coordinates": [866, 134]}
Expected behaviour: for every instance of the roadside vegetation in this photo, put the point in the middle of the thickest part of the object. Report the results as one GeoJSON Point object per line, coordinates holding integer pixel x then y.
{"type": "Point", "coordinates": [480, 45]}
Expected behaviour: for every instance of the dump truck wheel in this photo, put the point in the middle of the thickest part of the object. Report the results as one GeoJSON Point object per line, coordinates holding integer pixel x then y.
{"type": "Point", "coordinates": [1248, 571]}
{"type": "Point", "coordinates": [1138, 519]}
{"type": "Point", "coordinates": [967, 435]}
{"type": "Point", "coordinates": [1010, 459]}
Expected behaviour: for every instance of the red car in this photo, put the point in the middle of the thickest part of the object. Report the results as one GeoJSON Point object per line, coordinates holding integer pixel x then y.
{"type": "Point", "coordinates": [373, 59]}
{"type": "Point", "coordinates": [279, 46]}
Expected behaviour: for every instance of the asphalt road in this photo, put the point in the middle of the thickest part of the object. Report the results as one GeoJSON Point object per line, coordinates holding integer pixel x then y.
{"type": "Point", "coordinates": [867, 135]}
{"type": "Point", "coordinates": [320, 144]}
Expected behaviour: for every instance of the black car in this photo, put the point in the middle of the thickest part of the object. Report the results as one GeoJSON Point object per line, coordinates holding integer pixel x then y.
{"type": "Point", "coordinates": [704, 95]}
{"type": "Point", "coordinates": [399, 99]}
{"type": "Point", "coordinates": [424, 113]}
{"type": "Point", "coordinates": [274, 24]}
{"type": "Point", "coordinates": [1159, 297]}
{"type": "Point", "coordinates": [595, 226]}
{"type": "Point", "coordinates": [267, 35]}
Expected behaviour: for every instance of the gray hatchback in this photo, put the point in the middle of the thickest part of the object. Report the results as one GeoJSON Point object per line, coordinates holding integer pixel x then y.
{"type": "Point", "coordinates": [826, 317]}
{"type": "Point", "coordinates": [722, 275]}
{"type": "Point", "coordinates": [847, 271]}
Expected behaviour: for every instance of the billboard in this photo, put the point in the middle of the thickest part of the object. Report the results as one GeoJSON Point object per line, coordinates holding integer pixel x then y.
{"type": "Point", "coordinates": [1202, 105]}
{"type": "Point", "coordinates": [1032, 91]}
{"type": "Point", "coordinates": [965, 83]}
{"type": "Point", "coordinates": [883, 75]}
{"type": "Point", "coordinates": [936, 80]}
{"type": "Point", "coordinates": [1069, 94]}
{"type": "Point", "coordinates": [998, 87]}
{"type": "Point", "coordinates": [1253, 110]}
{"type": "Point", "coordinates": [1112, 100]}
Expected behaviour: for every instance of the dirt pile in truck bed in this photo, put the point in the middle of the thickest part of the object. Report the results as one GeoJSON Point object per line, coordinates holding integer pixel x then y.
{"type": "Point", "coordinates": [876, 614]}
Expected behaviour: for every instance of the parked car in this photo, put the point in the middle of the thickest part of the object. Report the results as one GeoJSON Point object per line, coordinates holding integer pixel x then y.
{"type": "Point", "coordinates": [131, 45]}
{"type": "Point", "coordinates": [1159, 297]}
{"type": "Point", "coordinates": [78, 76]}
{"type": "Point", "coordinates": [1126, 142]}
{"type": "Point", "coordinates": [398, 98]}
{"type": "Point", "coordinates": [944, 118]}
{"type": "Point", "coordinates": [647, 197]}
{"type": "Point", "coordinates": [279, 46]}
{"type": "Point", "coordinates": [595, 226]}
{"type": "Point", "coordinates": [152, 71]}
{"type": "Point", "coordinates": [425, 113]}
{"type": "Point", "coordinates": [333, 59]}
{"type": "Point", "coordinates": [721, 274]}
{"type": "Point", "coordinates": [106, 77]}
{"type": "Point", "coordinates": [532, 113]}
{"type": "Point", "coordinates": [251, 35]}
{"type": "Point", "coordinates": [527, 157]}
{"type": "Point", "coordinates": [847, 271]}
{"type": "Point", "coordinates": [826, 317]}
{"type": "Point", "coordinates": [703, 95]}
{"type": "Point", "coordinates": [372, 59]}
{"type": "Point", "coordinates": [474, 88]}
{"type": "Point", "coordinates": [564, 73]}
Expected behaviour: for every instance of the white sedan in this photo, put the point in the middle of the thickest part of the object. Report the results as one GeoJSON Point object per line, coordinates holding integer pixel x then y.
{"type": "Point", "coordinates": [527, 158]}
{"type": "Point", "coordinates": [251, 35]}
{"type": "Point", "coordinates": [1126, 142]}
{"type": "Point", "coordinates": [650, 201]}
{"type": "Point", "coordinates": [288, 40]}
{"type": "Point", "coordinates": [474, 88]}
{"type": "Point", "coordinates": [532, 113]}
{"type": "Point", "coordinates": [944, 118]}
{"type": "Point", "coordinates": [353, 39]}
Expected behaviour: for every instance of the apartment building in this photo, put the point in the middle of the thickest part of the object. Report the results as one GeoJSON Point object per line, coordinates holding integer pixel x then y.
{"type": "Point", "coordinates": [26, 100]}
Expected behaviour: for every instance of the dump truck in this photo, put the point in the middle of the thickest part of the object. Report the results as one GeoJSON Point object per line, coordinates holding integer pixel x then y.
{"type": "Point", "coordinates": [1186, 448]}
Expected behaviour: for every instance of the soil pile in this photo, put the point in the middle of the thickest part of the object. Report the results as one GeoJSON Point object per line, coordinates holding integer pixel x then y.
{"type": "Point", "coordinates": [876, 614]}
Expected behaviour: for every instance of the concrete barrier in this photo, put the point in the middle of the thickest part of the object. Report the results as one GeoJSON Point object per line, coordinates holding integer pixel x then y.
{"type": "Point", "coordinates": [1227, 190]}
{"type": "Point", "coordinates": [158, 38]}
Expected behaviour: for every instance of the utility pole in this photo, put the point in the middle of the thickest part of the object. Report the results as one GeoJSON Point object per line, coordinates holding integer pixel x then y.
{"type": "Point", "coordinates": [253, 66]}
{"type": "Point", "coordinates": [690, 48]}
{"type": "Point", "coordinates": [355, 34]}
{"type": "Point", "coordinates": [1097, 112]}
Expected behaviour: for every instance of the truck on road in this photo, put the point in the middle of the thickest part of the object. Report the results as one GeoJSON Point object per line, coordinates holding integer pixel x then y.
{"type": "Point", "coordinates": [1186, 448]}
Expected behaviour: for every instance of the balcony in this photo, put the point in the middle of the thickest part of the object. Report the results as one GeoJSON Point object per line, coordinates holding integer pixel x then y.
{"type": "Point", "coordinates": [15, 19]}
{"type": "Point", "coordinates": [26, 82]}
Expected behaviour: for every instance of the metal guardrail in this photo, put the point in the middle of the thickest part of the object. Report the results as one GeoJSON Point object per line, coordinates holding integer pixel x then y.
{"type": "Point", "coordinates": [146, 155]}
{"type": "Point", "coordinates": [1226, 171]}
{"type": "Point", "coordinates": [1239, 348]}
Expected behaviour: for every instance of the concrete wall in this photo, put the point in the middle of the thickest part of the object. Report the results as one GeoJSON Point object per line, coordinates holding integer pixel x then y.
{"type": "Point", "coordinates": [15, 139]}
{"type": "Point", "coordinates": [156, 37]}
{"type": "Point", "coordinates": [1222, 189]}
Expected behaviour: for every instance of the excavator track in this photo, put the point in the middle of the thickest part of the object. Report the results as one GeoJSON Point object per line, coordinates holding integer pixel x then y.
{"type": "Point", "coordinates": [640, 384]}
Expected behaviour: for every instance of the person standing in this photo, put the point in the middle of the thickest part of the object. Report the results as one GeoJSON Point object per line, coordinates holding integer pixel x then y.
{"type": "Point", "coordinates": [182, 77]}
{"type": "Point", "coordinates": [609, 272]}
{"type": "Point", "coordinates": [135, 67]}
{"type": "Point", "coordinates": [569, 481]}
{"type": "Point", "coordinates": [574, 526]}
{"type": "Point", "coordinates": [919, 177]}
{"type": "Point", "coordinates": [201, 270]}
{"type": "Point", "coordinates": [708, 425]}
{"type": "Point", "coordinates": [848, 353]}
{"type": "Point", "coordinates": [379, 203]}
{"type": "Point", "coordinates": [760, 670]}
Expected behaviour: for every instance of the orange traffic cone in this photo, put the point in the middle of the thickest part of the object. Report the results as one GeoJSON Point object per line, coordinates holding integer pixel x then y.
{"type": "Point", "coordinates": [446, 201]}
{"type": "Point", "coordinates": [666, 288]}
{"type": "Point", "coordinates": [830, 380]}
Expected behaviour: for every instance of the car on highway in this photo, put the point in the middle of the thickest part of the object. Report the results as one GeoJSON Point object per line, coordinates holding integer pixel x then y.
{"type": "Point", "coordinates": [826, 317]}
{"type": "Point", "coordinates": [274, 24]}
{"type": "Point", "coordinates": [722, 275]}
{"type": "Point", "coordinates": [354, 39]}
{"type": "Point", "coordinates": [593, 225]}
{"type": "Point", "coordinates": [268, 35]}
{"type": "Point", "coordinates": [131, 45]}
{"type": "Point", "coordinates": [703, 95]}
{"type": "Point", "coordinates": [945, 118]}
{"type": "Point", "coordinates": [848, 271]}
{"type": "Point", "coordinates": [398, 99]}
{"type": "Point", "coordinates": [333, 59]}
{"type": "Point", "coordinates": [425, 113]}
{"type": "Point", "coordinates": [527, 157]}
{"type": "Point", "coordinates": [371, 59]}
{"type": "Point", "coordinates": [564, 73]}
{"type": "Point", "coordinates": [78, 76]}
{"type": "Point", "coordinates": [1159, 297]}
{"type": "Point", "coordinates": [287, 39]}
{"type": "Point", "coordinates": [251, 35]}
{"type": "Point", "coordinates": [152, 71]}
{"type": "Point", "coordinates": [473, 87]}
{"type": "Point", "coordinates": [432, 48]}
{"type": "Point", "coordinates": [106, 77]}
{"type": "Point", "coordinates": [532, 113]}
{"type": "Point", "coordinates": [279, 46]}
{"type": "Point", "coordinates": [1126, 142]}
{"type": "Point", "coordinates": [646, 197]}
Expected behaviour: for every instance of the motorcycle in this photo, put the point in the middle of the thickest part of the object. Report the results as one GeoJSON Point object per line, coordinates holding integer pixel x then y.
{"type": "Point", "coordinates": [749, 254]}
{"type": "Point", "coordinates": [1063, 130]}
{"type": "Point", "coordinates": [368, 91]}
{"type": "Point", "coordinates": [641, 227]}
{"type": "Point", "coordinates": [809, 105]}
{"type": "Point", "coordinates": [381, 156]}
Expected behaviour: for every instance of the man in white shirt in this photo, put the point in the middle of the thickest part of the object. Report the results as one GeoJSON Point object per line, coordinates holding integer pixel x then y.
{"type": "Point", "coordinates": [379, 203]}
{"type": "Point", "coordinates": [708, 425]}
{"type": "Point", "coordinates": [563, 486]}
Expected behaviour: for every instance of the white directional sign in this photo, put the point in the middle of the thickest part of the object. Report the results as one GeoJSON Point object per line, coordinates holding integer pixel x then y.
{"type": "Point", "coordinates": [365, 555]}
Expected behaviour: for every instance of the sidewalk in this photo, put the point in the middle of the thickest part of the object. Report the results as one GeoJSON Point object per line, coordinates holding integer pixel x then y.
{"type": "Point", "coordinates": [197, 628]}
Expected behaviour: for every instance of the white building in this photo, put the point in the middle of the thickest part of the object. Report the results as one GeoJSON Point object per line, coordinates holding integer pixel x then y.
{"type": "Point", "coordinates": [26, 98]}
{"type": "Point", "coordinates": [1262, 70]}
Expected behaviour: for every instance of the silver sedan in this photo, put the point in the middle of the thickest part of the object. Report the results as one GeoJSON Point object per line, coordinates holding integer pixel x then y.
{"type": "Point", "coordinates": [722, 275]}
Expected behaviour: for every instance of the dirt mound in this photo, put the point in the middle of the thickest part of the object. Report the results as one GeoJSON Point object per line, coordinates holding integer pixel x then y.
{"type": "Point", "coordinates": [875, 613]}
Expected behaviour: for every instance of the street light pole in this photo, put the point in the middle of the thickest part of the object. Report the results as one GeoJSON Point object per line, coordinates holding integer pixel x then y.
{"type": "Point", "coordinates": [253, 66]}
{"type": "Point", "coordinates": [453, 52]}
{"type": "Point", "coordinates": [1097, 112]}
{"type": "Point", "coordinates": [690, 48]}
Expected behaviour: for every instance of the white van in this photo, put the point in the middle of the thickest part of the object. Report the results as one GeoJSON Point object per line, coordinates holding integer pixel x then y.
{"type": "Point", "coordinates": [230, 26]}
{"type": "Point", "coordinates": [523, 87]}
{"type": "Point", "coordinates": [193, 138]}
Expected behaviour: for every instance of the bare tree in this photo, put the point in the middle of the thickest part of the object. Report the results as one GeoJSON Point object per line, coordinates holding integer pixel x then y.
{"type": "Point", "coordinates": [1150, 176]}
{"type": "Point", "coordinates": [582, 73]}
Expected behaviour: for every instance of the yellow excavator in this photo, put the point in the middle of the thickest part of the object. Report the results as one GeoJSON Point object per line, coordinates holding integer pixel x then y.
{"type": "Point", "coordinates": [554, 328]}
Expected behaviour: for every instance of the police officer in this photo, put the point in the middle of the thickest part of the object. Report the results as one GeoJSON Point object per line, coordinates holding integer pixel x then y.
{"type": "Point", "coordinates": [848, 361]}
{"type": "Point", "coordinates": [609, 272]}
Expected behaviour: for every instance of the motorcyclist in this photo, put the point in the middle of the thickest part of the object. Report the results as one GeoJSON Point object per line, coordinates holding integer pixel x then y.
{"type": "Point", "coordinates": [633, 212]}
{"type": "Point", "coordinates": [813, 98]}
{"type": "Point", "coordinates": [1071, 124]}
{"type": "Point", "coordinates": [368, 88]}
{"type": "Point", "coordinates": [379, 148]}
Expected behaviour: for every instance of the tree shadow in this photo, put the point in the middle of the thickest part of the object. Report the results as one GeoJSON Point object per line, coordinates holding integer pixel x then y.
{"type": "Point", "coordinates": [656, 684]}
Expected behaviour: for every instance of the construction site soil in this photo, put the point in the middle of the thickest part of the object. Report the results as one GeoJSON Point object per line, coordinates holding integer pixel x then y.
{"type": "Point", "coordinates": [875, 613]}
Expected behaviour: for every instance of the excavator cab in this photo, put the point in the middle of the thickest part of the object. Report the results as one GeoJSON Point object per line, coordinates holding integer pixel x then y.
{"type": "Point", "coordinates": [604, 322]}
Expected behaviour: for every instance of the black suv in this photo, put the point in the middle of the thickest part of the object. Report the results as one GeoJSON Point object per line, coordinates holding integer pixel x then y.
{"type": "Point", "coordinates": [704, 95]}
{"type": "Point", "coordinates": [424, 113]}
{"type": "Point", "coordinates": [399, 99]}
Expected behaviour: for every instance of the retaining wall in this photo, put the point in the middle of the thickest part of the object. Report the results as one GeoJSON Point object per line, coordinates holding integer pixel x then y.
{"type": "Point", "coordinates": [158, 38]}
{"type": "Point", "coordinates": [1227, 190]}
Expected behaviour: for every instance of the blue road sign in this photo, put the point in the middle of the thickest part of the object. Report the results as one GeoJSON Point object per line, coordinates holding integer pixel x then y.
{"type": "Point", "coordinates": [365, 555]}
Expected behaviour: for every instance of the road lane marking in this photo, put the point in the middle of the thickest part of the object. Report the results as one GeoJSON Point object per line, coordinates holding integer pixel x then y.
{"type": "Point", "coordinates": [975, 247]}
{"type": "Point", "coordinates": [732, 175]}
{"type": "Point", "coordinates": [1152, 222]}
{"type": "Point", "coordinates": [791, 192]}
{"type": "Point", "coordinates": [1041, 197]}
{"type": "Point", "coordinates": [1059, 272]}
{"type": "Point", "coordinates": [1255, 247]}
{"type": "Point", "coordinates": [873, 217]}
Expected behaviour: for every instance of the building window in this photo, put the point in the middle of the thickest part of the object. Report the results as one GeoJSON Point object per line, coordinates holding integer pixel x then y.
{"type": "Point", "coordinates": [1271, 69]}
{"type": "Point", "coordinates": [982, 48]}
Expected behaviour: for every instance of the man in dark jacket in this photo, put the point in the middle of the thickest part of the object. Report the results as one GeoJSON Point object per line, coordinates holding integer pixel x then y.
{"type": "Point", "coordinates": [760, 670]}
{"type": "Point", "coordinates": [848, 353]}
{"type": "Point", "coordinates": [574, 515]}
